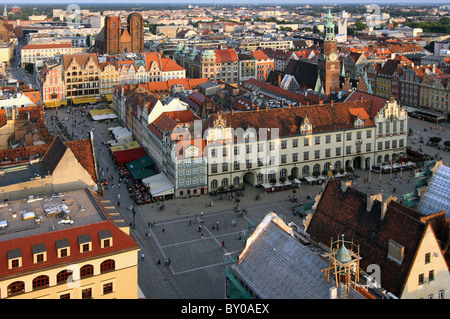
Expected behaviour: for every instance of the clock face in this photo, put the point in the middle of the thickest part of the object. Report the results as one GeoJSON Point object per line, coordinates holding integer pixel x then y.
{"type": "Point", "coordinates": [333, 57]}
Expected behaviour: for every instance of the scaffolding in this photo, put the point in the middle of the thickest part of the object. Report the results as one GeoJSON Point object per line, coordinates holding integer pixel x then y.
{"type": "Point", "coordinates": [344, 262]}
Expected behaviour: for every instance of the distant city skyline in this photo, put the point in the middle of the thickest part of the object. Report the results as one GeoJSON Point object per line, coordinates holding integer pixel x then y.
{"type": "Point", "coordinates": [228, 2]}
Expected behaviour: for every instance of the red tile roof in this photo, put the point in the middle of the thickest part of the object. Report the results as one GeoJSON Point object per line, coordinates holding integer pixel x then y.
{"type": "Point", "coordinates": [340, 212]}
{"type": "Point", "coordinates": [226, 55]}
{"type": "Point", "coordinates": [324, 117]}
{"type": "Point", "coordinates": [82, 149]}
{"type": "Point", "coordinates": [121, 242]}
{"type": "Point", "coordinates": [47, 46]}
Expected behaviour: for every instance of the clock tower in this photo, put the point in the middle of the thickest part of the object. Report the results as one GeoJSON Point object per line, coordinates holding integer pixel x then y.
{"type": "Point", "coordinates": [329, 65]}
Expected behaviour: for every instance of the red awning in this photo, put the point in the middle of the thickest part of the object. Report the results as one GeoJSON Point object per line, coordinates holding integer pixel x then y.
{"type": "Point", "coordinates": [126, 156]}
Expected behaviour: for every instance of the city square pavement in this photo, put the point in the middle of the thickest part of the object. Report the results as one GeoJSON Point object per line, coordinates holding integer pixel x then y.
{"type": "Point", "coordinates": [196, 268]}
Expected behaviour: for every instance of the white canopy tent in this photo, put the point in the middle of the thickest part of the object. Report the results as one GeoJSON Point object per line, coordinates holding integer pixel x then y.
{"type": "Point", "coordinates": [159, 185]}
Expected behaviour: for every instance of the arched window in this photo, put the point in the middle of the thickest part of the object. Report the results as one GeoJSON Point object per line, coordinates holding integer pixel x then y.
{"type": "Point", "coordinates": [86, 271]}
{"type": "Point", "coordinates": [107, 265]}
{"type": "Point", "coordinates": [305, 170]}
{"type": "Point", "coordinates": [386, 158]}
{"type": "Point", "coordinates": [236, 180]}
{"type": "Point", "coordinates": [63, 275]}
{"type": "Point", "coordinates": [225, 182]}
{"type": "Point", "coordinates": [259, 177]}
{"type": "Point", "coordinates": [327, 166]}
{"type": "Point", "coordinates": [337, 165]}
{"type": "Point", "coordinates": [283, 173]}
{"type": "Point", "coordinates": [379, 159]}
{"type": "Point", "coordinates": [214, 183]}
{"type": "Point", "coordinates": [40, 282]}
{"type": "Point", "coordinates": [316, 168]}
{"type": "Point", "coordinates": [16, 288]}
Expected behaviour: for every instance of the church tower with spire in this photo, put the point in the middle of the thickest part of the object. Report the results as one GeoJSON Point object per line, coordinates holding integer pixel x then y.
{"type": "Point", "coordinates": [329, 64]}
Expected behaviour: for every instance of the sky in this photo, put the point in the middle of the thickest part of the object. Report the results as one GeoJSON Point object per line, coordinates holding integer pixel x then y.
{"type": "Point", "coordinates": [193, 2]}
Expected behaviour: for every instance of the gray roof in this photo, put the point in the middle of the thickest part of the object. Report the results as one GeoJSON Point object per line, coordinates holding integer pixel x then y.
{"type": "Point", "coordinates": [277, 266]}
{"type": "Point", "coordinates": [437, 196]}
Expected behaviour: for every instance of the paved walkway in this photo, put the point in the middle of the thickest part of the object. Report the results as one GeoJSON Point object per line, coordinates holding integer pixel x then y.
{"type": "Point", "coordinates": [196, 268]}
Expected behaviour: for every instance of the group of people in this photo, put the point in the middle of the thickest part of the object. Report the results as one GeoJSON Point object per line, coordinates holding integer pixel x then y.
{"type": "Point", "coordinates": [138, 191]}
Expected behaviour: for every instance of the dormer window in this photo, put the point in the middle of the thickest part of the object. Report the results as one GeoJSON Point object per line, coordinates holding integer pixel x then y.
{"type": "Point", "coordinates": [39, 253]}
{"type": "Point", "coordinates": [105, 238]}
{"type": "Point", "coordinates": [306, 127]}
{"type": "Point", "coordinates": [14, 258]}
{"type": "Point", "coordinates": [63, 248]}
{"type": "Point", "coordinates": [85, 243]}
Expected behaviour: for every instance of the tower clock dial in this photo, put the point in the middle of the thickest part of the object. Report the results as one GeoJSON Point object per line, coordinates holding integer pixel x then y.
{"type": "Point", "coordinates": [333, 57]}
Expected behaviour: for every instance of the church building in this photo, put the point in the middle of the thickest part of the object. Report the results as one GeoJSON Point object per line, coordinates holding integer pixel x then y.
{"type": "Point", "coordinates": [115, 38]}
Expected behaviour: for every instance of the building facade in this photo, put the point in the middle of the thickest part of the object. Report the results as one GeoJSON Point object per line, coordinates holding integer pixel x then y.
{"type": "Point", "coordinates": [354, 135]}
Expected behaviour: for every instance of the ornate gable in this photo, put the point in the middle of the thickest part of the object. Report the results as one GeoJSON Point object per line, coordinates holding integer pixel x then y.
{"type": "Point", "coordinates": [306, 127]}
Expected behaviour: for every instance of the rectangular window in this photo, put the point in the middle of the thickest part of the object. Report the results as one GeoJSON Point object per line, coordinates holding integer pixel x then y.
{"type": "Point", "coordinates": [283, 144]}
{"type": "Point", "coordinates": [295, 157]}
{"type": "Point", "coordinates": [214, 168]}
{"type": "Point", "coordinates": [338, 137]}
{"type": "Point", "coordinates": [305, 156]}
{"type": "Point", "coordinates": [348, 136]}
{"type": "Point", "coordinates": [306, 141]}
{"type": "Point", "coordinates": [283, 158]}
{"type": "Point", "coordinates": [86, 293]}
{"type": "Point", "coordinates": [317, 154]}
{"type": "Point", "coordinates": [317, 140]}
{"type": "Point", "coordinates": [430, 275]}
{"type": "Point", "coordinates": [295, 143]}
{"type": "Point", "coordinates": [421, 279]}
{"type": "Point", "coordinates": [338, 151]}
{"type": "Point", "coordinates": [107, 288]}
{"type": "Point", "coordinates": [348, 150]}
{"type": "Point", "coordinates": [427, 258]}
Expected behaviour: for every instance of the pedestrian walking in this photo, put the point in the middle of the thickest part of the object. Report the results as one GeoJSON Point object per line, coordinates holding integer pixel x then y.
{"type": "Point", "coordinates": [163, 229]}
{"type": "Point", "coordinates": [217, 225]}
{"type": "Point", "coordinates": [223, 244]}
{"type": "Point", "coordinates": [203, 237]}
{"type": "Point", "coordinates": [240, 235]}
{"type": "Point", "coordinates": [118, 196]}
{"type": "Point", "coordinates": [118, 204]}
{"type": "Point", "coordinates": [142, 256]}
{"type": "Point", "coordinates": [200, 228]}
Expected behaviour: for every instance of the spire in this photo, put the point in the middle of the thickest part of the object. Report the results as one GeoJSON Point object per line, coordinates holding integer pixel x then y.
{"type": "Point", "coordinates": [329, 26]}
{"type": "Point", "coordinates": [343, 70]}
{"type": "Point", "coordinates": [5, 13]}
{"type": "Point", "coordinates": [318, 84]}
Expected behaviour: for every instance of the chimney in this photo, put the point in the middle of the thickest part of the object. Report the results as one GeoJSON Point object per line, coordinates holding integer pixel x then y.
{"type": "Point", "coordinates": [257, 109]}
{"type": "Point", "coordinates": [332, 292]}
{"type": "Point", "coordinates": [320, 102]}
{"type": "Point", "coordinates": [372, 198]}
{"type": "Point", "coordinates": [384, 205]}
{"type": "Point", "coordinates": [331, 102]}
{"type": "Point", "coordinates": [267, 107]}
{"type": "Point", "coordinates": [232, 111]}
{"type": "Point", "coordinates": [345, 185]}
{"type": "Point", "coordinates": [289, 105]}
{"type": "Point", "coordinates": [342, 291]}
